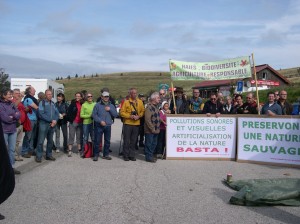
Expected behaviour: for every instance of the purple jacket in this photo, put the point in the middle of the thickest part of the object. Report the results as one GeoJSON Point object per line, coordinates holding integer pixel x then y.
{"type": "Point", "coordinates": [9, 115]}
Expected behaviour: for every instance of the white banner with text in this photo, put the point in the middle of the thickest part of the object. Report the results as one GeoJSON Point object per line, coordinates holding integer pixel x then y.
{"type": "Point", "coordinates": [201, 137]}
{"type": "Point", "coordinates": [271, 140]}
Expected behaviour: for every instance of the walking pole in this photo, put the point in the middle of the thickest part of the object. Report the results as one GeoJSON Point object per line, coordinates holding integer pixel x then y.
{"type": "Point", "coordinates": [120, 154]}
{"type": "Point", "coordinates": [255, 77]}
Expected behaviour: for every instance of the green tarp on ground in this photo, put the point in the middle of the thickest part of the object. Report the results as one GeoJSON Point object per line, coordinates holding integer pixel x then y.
{"type": "Point", "coordinates": [257, 192]}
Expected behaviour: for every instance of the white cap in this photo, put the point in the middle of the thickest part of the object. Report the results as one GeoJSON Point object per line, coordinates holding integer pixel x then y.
{"type": "Point", "coordinates": [105, 93]}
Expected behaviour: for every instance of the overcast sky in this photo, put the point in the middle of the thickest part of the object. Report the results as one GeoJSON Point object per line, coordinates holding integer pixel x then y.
{"type": "Point", "coordinates": [51, 38]}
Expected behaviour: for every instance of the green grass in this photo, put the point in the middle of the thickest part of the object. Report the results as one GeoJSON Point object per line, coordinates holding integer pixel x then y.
{"type": "Point", "coordinates": [147, 82]}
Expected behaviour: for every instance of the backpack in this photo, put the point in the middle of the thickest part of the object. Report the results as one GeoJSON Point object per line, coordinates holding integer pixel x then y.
{"type": "Point", "coordinates": [88, 150]}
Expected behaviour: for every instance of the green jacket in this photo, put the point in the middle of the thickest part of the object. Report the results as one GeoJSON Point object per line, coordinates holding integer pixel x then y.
{"type": "Point", "coordinates": [87, 111]}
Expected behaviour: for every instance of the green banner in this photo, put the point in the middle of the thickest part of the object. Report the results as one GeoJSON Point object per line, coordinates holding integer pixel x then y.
{"type": "Point", "coordinates": [235, 68]}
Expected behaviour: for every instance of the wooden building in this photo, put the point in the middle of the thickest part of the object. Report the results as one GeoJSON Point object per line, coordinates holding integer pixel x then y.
{"type": "Point", "coordinates": [267, 78]}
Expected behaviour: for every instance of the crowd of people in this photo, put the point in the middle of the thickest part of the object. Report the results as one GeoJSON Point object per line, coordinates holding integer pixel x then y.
{"type": "Point", "coordinates": [27, 122]}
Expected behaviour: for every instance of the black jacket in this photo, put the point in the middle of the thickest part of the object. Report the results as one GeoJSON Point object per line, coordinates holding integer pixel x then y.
{"type": "Point", "coordinates": [7, 176]}
{"type": "Point", "coordinates": [183, 109]}
{"type": "Point", "coordinates": [72, 111]}
{"type": "Point", "coordinates": [212, 108]}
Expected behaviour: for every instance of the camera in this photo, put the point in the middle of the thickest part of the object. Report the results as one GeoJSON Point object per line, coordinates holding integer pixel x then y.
{"type": "Point", "coordinates": [133, 113]}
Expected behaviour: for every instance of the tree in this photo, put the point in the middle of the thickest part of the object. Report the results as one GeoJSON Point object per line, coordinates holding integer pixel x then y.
{"type": "Point", "coordinates": [76, 76]}
{"type": "Point", "coordinates": [3, 79]}
{"type": "Point", "coordinates": [61, 78]}
{"type": "Point", "coordinates": [83, 76]}
{"type": "Point", "coordinates": [69, 77]}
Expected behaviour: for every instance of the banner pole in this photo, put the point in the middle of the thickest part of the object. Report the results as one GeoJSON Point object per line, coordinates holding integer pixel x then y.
{"type": "Point", "coordinates": [173, 96]}
{"type": "Point", "coordinates": [255, 78]}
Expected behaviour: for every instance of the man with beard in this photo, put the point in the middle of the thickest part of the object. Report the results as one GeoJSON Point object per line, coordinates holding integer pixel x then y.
{"type": "Point", "coordinates": [250, 107]}
{"type": "Point", "coordinates": [181, 105]}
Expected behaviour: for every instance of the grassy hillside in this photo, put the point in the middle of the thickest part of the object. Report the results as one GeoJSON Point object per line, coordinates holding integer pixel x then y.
{"type": "Point", "coordinates": [119, 84]}
{"type": "Point", "coordinates": [146, 82]}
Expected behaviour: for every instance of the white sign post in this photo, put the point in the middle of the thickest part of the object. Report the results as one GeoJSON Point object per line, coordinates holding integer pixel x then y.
{"type": "Point", "coordinates": [269, 140]}
{"type": "Point", "coordinates": [201, 137]}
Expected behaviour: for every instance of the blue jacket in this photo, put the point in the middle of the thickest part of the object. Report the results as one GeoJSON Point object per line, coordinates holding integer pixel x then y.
{"type": "Point", "coordinates": [100, 114]}
{"type": "Point", "coordinates": [275, 108]}
{"type": "Point", "coordinates": [48, 111]}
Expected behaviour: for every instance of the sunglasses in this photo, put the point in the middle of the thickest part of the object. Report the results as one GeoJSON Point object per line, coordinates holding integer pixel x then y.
{"type": "Point", "coordinates": [89, 96]}
{"type": "Point", "coordinates": [213, 98]}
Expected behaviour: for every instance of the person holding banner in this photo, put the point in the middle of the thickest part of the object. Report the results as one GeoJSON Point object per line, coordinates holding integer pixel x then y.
{"type": "Point", "coordinates": [212, 106]}
{"type": "Point", "coordinates": [286, 107]}
{"type": "Point", "coordinates": [228, 106]}
{"type": "Point", "coordinates": [181, 105]}
{"type": "Point", "coordinates": [238, 108]}
{"type": "Point", "coordinates": [271, 108]}
{"type": "Point", "coordinates": [250, 107]}
{"type": "Point", "coordinates": [195, 103]}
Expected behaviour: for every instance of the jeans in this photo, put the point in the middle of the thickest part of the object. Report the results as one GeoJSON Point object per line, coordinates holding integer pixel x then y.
{"type": "Point", "coordinates": [45, 131]}
{"type": "Point", "coordinates": [150, 145]}
{"type": "Point", "coordinates": [99, 131]}
{"type": "Point", "coordinates": [131, 133]}
{"type": "Point", "coordinates": [88, 130]}
{"type": "Point", "coordinates": [64, 129]}
{"type": "Point", "coordinates": [28, 140]}
{"type": "Point", "coordinates": [10, 141]}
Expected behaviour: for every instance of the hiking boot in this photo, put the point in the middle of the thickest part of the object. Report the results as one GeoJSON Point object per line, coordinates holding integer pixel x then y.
{"type": "Point", "coordinates": [17, 171]}
{"type": "Point", "coordinates": [159, 156]}
{"type": "Point", "coordinates": [27, 155]}
{"type": "Point", "coordinates": [151, 160]}
{"type": "Point", "coordinates": [57, 151]}
{"type": "Point", "coordinates": [106, 157]}
{"type": "Point", "coordinates": [95, 158]}
{"type": "Point", "coordinates": [38, 160]}
{"type": "Point", "coordinates": [69, 154]}
{"type": "Point", "coordinates": [32, 153]}
{"type": "Point", "coordinates": [126, 159]}
{"type": "Point", "coordinates": [2, 217]}
{"type": "Point", "coordinates": [18, 158]}
{"type": "Point", "coordinates": [50, 158]}
{"type": "Point", "coordinates": [132, 158]}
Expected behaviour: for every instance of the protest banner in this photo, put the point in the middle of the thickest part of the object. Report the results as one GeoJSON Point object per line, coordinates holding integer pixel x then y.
{"type": "Point", "coordinates": [269, 140]}
{"type": "Point", "coordinates": [201, 137]}
{"type": "Point", "coordinates": [235, 68]}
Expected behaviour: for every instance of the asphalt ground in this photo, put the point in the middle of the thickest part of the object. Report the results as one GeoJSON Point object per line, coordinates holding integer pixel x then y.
{"type": "Point", "coordinates": [76, 190]}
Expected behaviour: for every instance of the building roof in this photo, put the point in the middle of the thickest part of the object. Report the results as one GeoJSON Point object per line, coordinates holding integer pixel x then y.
{"type": "Point", "coordinates": [266, 66]}
{"type": "Point", "coordinates": [217, 83]}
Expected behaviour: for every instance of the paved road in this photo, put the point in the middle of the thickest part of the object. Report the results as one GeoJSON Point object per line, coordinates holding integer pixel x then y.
{"type": "Point", "coordinates": [75, 190]}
